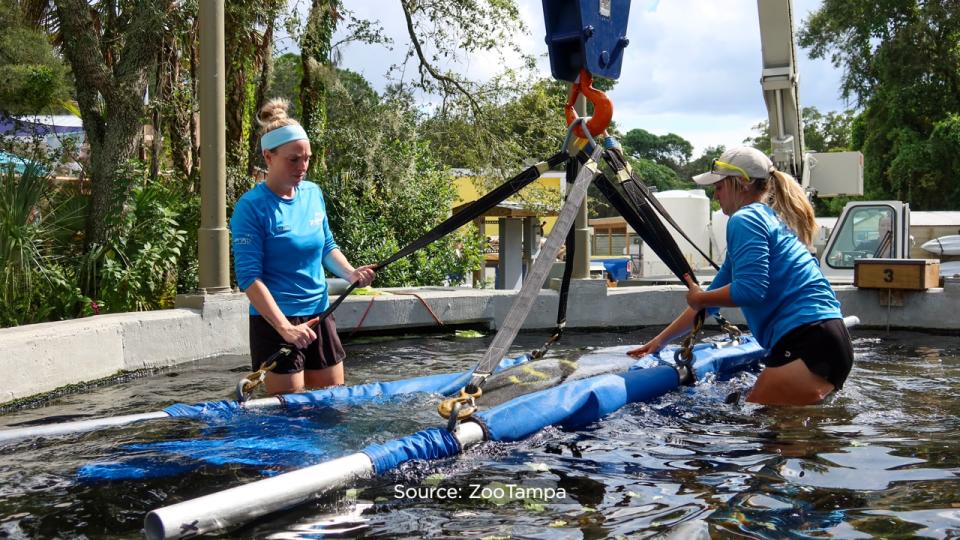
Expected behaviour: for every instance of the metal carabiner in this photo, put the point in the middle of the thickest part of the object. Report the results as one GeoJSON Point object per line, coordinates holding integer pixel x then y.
{"type": "Point", "coordinates": [462, 406]}
{"type": "Point", "coordinates": [602, 106]}
{"type": "Point", "coordinates": [248, 383]}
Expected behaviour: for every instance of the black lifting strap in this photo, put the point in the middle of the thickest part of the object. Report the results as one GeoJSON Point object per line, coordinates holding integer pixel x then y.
{"type": "Point", "coordinates": [639, 213]}
{"type": "Point", "coordinates": [524, 301]}
{"type": "Point", "coordinates": [639, 193]}
{"type": "Point", "coordinates": [570, 249]}
{"type": "Point", "coordinates": [633, 185]}
{"type": "Point", "coordinates": [647, 225]}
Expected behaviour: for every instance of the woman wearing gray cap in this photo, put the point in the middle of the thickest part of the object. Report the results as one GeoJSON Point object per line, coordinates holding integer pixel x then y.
{"type": "Point", "coordinates": [770, 274]}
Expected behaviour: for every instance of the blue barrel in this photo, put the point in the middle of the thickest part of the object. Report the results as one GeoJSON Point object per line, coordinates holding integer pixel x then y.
{"type": "Point", "coordinates": [616, 267]}
{"type": "Point", "coordinates": [587, 34]}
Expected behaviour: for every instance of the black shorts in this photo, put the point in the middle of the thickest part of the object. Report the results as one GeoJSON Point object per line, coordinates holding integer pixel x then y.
{"type": "Point", "coordinates": [326, 351]}
{"type": "Point", "coordinates": [824, 346]}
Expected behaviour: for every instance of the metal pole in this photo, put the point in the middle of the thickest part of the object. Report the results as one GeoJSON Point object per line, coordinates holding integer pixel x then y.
{"type": "Point", "coordinates": [213, 236]}
{"type": "Point", "coordinates": [581, 261]}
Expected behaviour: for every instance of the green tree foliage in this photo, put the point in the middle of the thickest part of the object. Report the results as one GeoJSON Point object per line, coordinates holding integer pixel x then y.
{"type": "Point", "coordinates": [287, 74]}
{"type": "Point", "coordinates": [315, 48]}
{"type": "Point", "coordinates": [902, 66]}
{"type": "Point", "coordinates": [137, 269]}
{"type": "Point", "coordinates": [35, 271]}
{"type": "Point", "coordinates": [44, 264]}
{"type": "Point", "coordinates": [32, 77]}
{"type": "Point", "coordinates": [659, 177]}
{"type": "Point", "coordinates": [670, 150]}
{"type": "Point", "coordinates": [830, 132]}
{"type": "Point", "coordinates": [111, 53]}
{"type": "Point", "coordinates": [174, 99]}
{"type": "Point", "coordinates": [704, 162]}
{"type": "Point", "coordinates": [442, 32]}
{"type": "Point", "coordinates": [248, 48]}
{"type": "Point", "coordinates": [385, 188]}
{"type": "Point", "coordinates": [496, 138]}
{"type": "Point", "coordinates": [513, 122]}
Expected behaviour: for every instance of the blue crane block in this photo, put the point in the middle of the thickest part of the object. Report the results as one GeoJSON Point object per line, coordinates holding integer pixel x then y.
{"type": "Point", "coordinates": [587, 34]}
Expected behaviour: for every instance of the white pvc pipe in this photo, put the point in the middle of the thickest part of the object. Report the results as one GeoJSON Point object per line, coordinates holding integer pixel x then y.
{"type": "Point", "coordinates": [851, 320]}
{"type": "Point", "coordinates": [234, 506]}
{"type": "Point", "coordinates": [95, 424]}
{"type": "Point", "coordinates": [80, 426]}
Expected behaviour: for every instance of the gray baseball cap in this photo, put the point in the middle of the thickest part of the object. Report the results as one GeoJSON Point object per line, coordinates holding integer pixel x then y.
{"type": "Point", "coordinates": [743, 161]}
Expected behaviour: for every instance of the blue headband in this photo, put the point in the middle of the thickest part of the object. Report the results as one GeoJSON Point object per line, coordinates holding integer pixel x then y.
{"type": "Point", "coordinates": [274, 138]}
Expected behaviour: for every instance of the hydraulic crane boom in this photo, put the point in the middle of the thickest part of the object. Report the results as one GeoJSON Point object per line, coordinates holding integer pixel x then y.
{"type": "Point", "coordinates": [780, 82]}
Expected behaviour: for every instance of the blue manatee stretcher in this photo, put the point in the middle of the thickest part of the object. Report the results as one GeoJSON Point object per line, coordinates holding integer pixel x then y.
{"type": "Point", "coordinates": [573, 404]}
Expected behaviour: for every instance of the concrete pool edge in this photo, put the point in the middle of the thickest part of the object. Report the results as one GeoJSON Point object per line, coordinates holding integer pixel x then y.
{"type": "Point", "coordinates": [40, 358]}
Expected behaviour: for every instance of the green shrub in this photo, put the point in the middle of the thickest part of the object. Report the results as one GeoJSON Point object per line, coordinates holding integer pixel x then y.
{"type": "Point", "coordinates": [35, 280]}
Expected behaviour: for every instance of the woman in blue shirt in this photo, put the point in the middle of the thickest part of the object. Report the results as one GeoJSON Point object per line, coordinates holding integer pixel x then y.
{"type": "Point", "coordinates": [281, 244]}
{"type": "Point", "coordinates": [770, 274]}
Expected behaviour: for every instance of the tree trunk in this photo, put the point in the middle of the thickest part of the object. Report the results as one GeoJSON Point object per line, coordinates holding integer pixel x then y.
{"type": "Point", "coordinates": [237, 49]}
{"type": "Point", "coordinates": [177, 113]}
{"type": "Point", "coordinates": [263, 89]}
{"type": "Point", "coordinates": [244, 48]}
{"type": "Point", "coordinates": [160, 98]}
{"type": "Point", "coordinates": [111, 78]}
{"type": "Point", "coordinates": [314, 55]}
{"type": "Point", "coordinates": [194, 119]}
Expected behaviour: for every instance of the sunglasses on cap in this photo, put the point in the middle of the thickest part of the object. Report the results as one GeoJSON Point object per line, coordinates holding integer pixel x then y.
{"type": "Point", "coordinates": [727, 169]}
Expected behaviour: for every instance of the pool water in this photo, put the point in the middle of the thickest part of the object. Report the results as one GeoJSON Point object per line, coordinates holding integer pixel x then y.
{"type": "Point", "coordinates": [880, 459]}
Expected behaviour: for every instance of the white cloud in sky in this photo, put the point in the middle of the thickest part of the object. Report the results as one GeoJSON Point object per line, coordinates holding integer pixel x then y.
{"type": "Point", "coordinates": [692, 67]}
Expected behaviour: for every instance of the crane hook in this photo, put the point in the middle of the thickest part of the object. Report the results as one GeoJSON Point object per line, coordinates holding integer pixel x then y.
{"type": "Point", "coordinates": [602, 106]}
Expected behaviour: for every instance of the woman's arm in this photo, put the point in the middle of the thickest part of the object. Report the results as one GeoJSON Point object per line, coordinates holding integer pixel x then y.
{"type": "Point", "coordinates": [698, 298]}
{"type": "Point", "coordinates": [341, 267]}
{"type": "Point", "coordinates": [680, 326]}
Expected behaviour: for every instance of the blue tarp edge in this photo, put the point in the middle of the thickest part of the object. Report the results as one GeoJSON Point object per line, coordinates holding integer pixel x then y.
{"type": "Point", "coordinates": [430, 444]}
{"type": "Point", "coordinates": [444, 384]}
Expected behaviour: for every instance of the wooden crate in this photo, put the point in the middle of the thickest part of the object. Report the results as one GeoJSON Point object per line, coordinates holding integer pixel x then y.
{"type": "Point", "coordinates": [906, 274]}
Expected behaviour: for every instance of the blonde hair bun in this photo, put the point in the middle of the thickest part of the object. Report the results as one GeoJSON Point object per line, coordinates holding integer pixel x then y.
{"type": "Point", "coordinates": [273, 115]}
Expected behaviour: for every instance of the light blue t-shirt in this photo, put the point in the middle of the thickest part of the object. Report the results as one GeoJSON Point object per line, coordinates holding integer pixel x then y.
{"type": "Point", "coordinates": [776, 282]}
{"type": "Point", "coordinates": [283, 242]}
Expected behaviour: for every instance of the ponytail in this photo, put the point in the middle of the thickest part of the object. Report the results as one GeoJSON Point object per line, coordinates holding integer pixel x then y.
{"type": "Point", "coordinates": [790, 202]}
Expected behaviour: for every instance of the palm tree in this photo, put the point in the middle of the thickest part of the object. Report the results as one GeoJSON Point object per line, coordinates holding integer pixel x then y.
{"type": "Point", "coordinates": [33, 227]}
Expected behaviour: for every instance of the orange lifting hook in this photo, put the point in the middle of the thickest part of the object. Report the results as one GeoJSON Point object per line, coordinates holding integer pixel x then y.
{"type": "Point", "coordinates": [602, 106]}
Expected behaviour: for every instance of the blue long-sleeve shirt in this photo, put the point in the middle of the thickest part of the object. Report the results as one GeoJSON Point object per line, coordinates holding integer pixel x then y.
{"type": "Point", "coordinates": [774, 280]}
{"type": "Point", "coordinates": [283, 242]}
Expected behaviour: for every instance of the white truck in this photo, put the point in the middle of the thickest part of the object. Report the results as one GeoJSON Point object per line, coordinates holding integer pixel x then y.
{"type": "Point", "coordinates": [865, 228]}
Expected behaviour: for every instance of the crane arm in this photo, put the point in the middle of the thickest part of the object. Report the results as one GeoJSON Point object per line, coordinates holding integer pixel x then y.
{"type": "Point", "coordinates": [780, 83]}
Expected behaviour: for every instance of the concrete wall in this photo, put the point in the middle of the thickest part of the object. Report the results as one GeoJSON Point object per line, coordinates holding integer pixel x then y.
{"type": "Point", "coordinates": [42, 357]}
